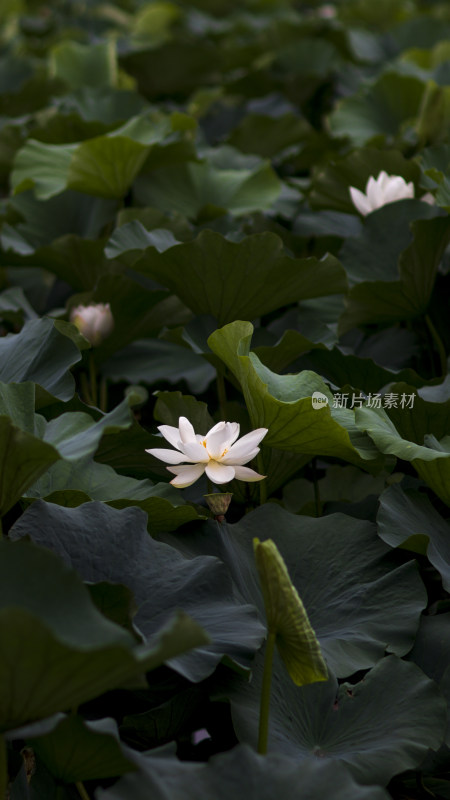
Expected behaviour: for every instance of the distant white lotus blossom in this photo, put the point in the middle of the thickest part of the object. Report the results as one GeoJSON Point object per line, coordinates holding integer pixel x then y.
{"type": "Point", "coordinates": [218, 453]}
{"type": "Point", "coordinates": [379, 191]}
{"type": "Point", "coordinates": [327, 11]}
{"type": "Point", "coordinates": [95, 321]}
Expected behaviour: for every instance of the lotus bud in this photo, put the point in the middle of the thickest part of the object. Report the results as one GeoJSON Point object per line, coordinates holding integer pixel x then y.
{"type": "Point", "coordinates": [95, 321]}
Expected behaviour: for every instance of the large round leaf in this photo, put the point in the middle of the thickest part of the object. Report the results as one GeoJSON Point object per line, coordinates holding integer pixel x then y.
{"type": "Point", "coordinates": [379, 727]}
{"type": "Point", "coordinates": [78, 750]}
{"type": "Point", "coordinates": [431, 652]}
{"type": "Point", "coordinates": [239, 280]}
{"type": "Point", "coordinates": [380, 110]}
{"type": "Point", "coordinates": [105, 544]}
{"type": "Point", "coordinates": [283, 404]}
{"type": "Point", "coordinates": [407, 519]}
{"type": "Point", "coordinates": [235, 183]}
{"type": "Point", "coordinates": [358, 602]}
{"type": "Point", "coordinates": [418, 434]}
{"type": "Point", "coordinates": [151, 361]}
{"type": "Point", "coordinates": [389, 299]}
{"type": "Point", "coordinates": [72, 483]}
{"type": "Point", "coordinates": [39, 353]}
{"type": "Point", "coordinates": [241, 774]}
{"type": "Point", "coordinates": [57, 649]}
{"type": "Point", "coordinates": [25, 459]}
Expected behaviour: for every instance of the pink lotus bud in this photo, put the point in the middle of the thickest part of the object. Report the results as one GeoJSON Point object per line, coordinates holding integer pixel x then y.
{"type": "Point", "coordinates": [95, 322]}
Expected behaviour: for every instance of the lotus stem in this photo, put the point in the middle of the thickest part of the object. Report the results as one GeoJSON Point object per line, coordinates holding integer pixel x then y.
{"type": "Point", "coordinates": [439, 345]}
{"type": "Point", "coordinates": [85, 393]}
{"type": "Point", "coordinates": [264, 709]}
{"type": "Point", "coordinates": [262, 484]}
{"type": "Point", "coordinates": [103, 395]}
{"type": "Point", "coordinates": [93, 379]}
{"type": "Point", "coordinates": [82, 791]}
{"type": "Point", "coordinates": [3, 768]}
{"type": "Point", "coordinates": [222, 395]}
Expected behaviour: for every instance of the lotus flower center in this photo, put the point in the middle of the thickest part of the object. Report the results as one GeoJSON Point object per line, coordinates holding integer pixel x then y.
{"type": "Point", "coordinates": [210, 457]}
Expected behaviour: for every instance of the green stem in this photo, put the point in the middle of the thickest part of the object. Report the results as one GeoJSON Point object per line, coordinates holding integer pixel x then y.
{"type": "Point", "coordinates": [103, 395]}
{"type": "Point", "coordinates": [262, 484]}
{"type": "Point", "coordinates": [222, 395]}
{"type": "Point", "coordinates": [317, 502]}
{"type": "Point", "coordinates": [93, 378]}
{"type": "Point", "coordinates": [439, 345]}
{"type": "Point", "coordinates": [264, 709]}
{"type": "Point", "coordinates": [82, 791]}
{"type": "Point", "coordinates": [3, 768]}
{"type": "Point", "coordinates": [85, 393]}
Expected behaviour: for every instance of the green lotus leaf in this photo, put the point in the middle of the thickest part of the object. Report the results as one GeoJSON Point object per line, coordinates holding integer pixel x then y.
{"type": "Point", "coordinates": [287, 618]}
{"type": "Point", "coordinates": [434, 162]}
{"type": "Point", "coordinates": [339, 485]}
{"type": "Point", "coordinates": [81, 65]}
{"type": "Point", "coordinates": [122, 552]}
{"type": "Point", "coordinates": [106, 166]}
{"type": "Point", "coordinates": [170, 406]}
{"type": "Point", "coordinates": [153, 22]}
{"type": "Point", "coordinates": [150, 361]}
{"type": "Point", "coordinates": [125, 452]}
{"type": "Point", "coordinates": [379, 111]}
{"type": "Point", "coordinates": [43, 221]}
{"type": "Point", "coordinates": [373, 255]}
{"type": "Point", "coordinates": [14, 306]}
{"type": "Point", "coordinates": [378, 727]}
{"type": "Point", "coordinates": [42, 167]}
{"type": "Point", "coordinates": [283, 404]}
{"type": "Point", "coordinates": [76, 435]}
{"type": "Point", "coordinates": [26, 458]}
{"type": "Point", "coordinates": [348, 580]}
{"type": "Point", "coordinates": [166, 722]}
{"type": "Point", "coordinates": [131, 238]}
{"type": "Point", "coordinates": [39, 353]}
{"type": "Point", "coordinates": [197, 189]}
{"type": "Point", "coordinates": [431, 654]}
{"type": "Point", "coordinates": [407, 519]}
{"type": "Point", "coordinates": [79, 262]}
{"type": "Point", "coordinates": [67, 651]}
{"type": "Point", "coordinates": [176, 67]}
{"type": "Point", "coordinates": [266, 136]}
{"type": "Point", "coordinates": [342, 369]}
{"type": "Point", "coordinates": [416, 434]}
{"type": "Point", "coordinates": [80, 750]}
{"type": "Point", "coordinates": [262, 777]}
{"type": "Point", "coordinates": [34, 445]}
{"type": "Point", "coordinates": [238, 280]}
{"type": "Point", "coordinates": [330, 182]}
{"type": "Point", "coordinates": [392, 300]}
{"type": "Point", "coordinates": [105, 106]}
{"type": "Point", "coordinates": [139, 309]}
{"type": "Point", "coordinates": [76, 483]}
{"type": "Point", "coordinates": [115, 602]}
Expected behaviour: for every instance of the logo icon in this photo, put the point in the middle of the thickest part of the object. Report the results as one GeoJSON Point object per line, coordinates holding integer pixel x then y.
{"type": "Point", "coordinates": [319, 400]}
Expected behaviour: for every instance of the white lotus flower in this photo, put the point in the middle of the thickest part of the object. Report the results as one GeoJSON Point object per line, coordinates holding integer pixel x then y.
{"type": "Point", "coordinates": [384, 189]}
{"type": "Point", "coordinates": [95, 321]}
{"type": "Point", "coordinates": [218, 453]}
